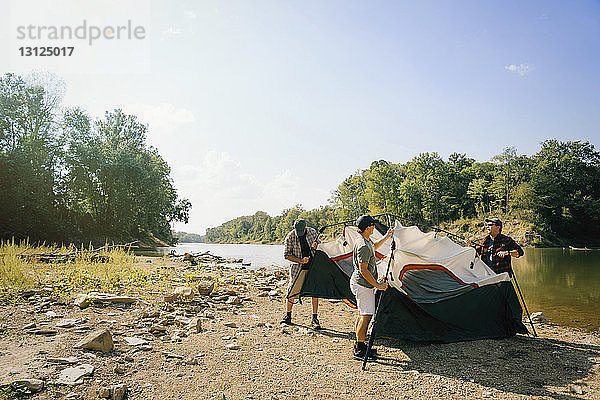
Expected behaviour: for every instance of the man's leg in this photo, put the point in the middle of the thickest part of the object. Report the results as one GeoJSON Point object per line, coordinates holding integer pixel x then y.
{"type": "Point", "coordinates": [315, 324]}
{"type": "Point", "coordinates": [362, 324]}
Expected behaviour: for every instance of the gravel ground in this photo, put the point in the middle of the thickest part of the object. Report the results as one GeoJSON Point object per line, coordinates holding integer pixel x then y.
{"type": "Point", "coordinates": [270, 362]}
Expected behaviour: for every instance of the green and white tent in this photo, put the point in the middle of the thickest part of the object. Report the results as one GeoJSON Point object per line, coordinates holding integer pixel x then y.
{"type": "Point", "coordinates": [439, 291]}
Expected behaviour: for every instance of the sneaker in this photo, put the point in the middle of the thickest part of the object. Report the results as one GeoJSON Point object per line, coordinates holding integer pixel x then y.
{"type": "Point", "coordinates": [287, 320]}
{"type": "Point", "coordinates": [315, 325]}
{"type": "Point", "coordinates": [359, 351]}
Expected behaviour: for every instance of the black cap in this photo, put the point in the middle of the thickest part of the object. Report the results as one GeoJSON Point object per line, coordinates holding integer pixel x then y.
{"type": "Point", "coordinates": [494, 221]}
{"type": "Point", "coordinates": [364, 221]}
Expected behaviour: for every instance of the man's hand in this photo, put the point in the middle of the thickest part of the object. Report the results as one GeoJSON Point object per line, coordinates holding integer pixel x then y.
{"type": "Point", "coordinates": [469, 243]}
{"type": "Point", "coordinates": [304, 260]}
{"type": "Point", "coordinates": [315, 244]}
{"type": "Point", "coordinates": [382, 286]}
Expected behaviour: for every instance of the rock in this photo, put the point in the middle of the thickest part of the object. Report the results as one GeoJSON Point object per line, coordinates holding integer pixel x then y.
{"type": "Point", "coordinates": [180, 320]}
{"type": "Point", "coordinates": [168, 354]}
{"type": "Point", "coordinates": [205, 288]}
{"type": "Point", "coordinates": [196, 325]}
{"type": "Point", "coordinates": [60, 360]}
{"type": "Point", "coordinates": [539, 317]}
{"type": "Point", "coordinates": [83, 300]}
{"type": "Point", "coordinates": [118, 391]}
{"type": "Point", "coordinates": [29, 385]}
{"type": "Point", "coordinates": [103, 392]}
{"type": "Point", "coordinates": [179, 294]}
{"type": "Point", "coordinates": [273, 293]}
{"type": "Point", "coordinates": [73, 375]}
{"type": "Point", "coordinates": [233, 346]}
{"type": "Point", "coordinates": [230, 324]}
{"type": "Point", "coordinates": [70, 322]}
{"type": "Point", "coordinates": [29, 326]}
{"type": "Point", "coordinates": [43, 331]}
{"type": "Point", "coordinates": [51, 314]}
{"type": "Point", "coordinates": [134, 341]}
{"type": "Point", "coordinates": [577, 389]}
{"type": "Point", "coordinates": [99, 340]}
{"type": "Point", "coordinates": [233, 300]}
{"type": "Point", "coordinates": [156, 328]}
{"type": "Point", "coordinates": [118, 369]}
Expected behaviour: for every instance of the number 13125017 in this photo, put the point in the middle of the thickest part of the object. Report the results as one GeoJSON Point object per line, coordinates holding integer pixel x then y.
{"type": "Point", "coordinates": [47, 51]}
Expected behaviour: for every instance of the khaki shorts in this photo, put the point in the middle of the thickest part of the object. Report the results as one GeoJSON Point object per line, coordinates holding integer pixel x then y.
{"type": "Point", "coordinates": [365, 298]}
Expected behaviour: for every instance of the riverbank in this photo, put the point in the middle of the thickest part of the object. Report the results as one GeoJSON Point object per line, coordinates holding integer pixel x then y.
{"type": "Point", "coordinates": [241, 352]}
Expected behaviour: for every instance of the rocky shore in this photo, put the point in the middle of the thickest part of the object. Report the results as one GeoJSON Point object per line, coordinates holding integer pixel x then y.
{"type": "Point", "coordinates": [214, 333]}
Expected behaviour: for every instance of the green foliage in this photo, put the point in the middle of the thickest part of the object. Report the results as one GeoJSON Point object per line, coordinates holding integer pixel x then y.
{"type": "Point", "coordinates": [64, 177]}
{"type": "Point", "coordinates": [556, 191]}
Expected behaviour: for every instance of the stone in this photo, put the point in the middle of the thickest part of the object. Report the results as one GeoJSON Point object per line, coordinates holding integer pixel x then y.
{"type": "Point", "coordinates": [230, 324]}
{"type": "Point", "coordinates": [99, 340]}
{"type": "Point", "coordinates": [196, 325]}
{"type": "Point", "coordinates": [29, 326]}
{"type": "Point", "coordinates": [180, 320]}
{"type": "Point", "coordinates": [179, 294]}
{"type": "Point", "coordinates": [134, 341]}
{"type": "Point", "coordinates": [168, 354]}
{"type": "Point", "coordinates": [157, 328]}
{"type": "Point", "coordinates": [83, 300]}
{"type": "Point", "coordinates": [273, 293]}
{"type": "Point", "coordinates": [233, 300]}
{"type": "Point", "coordinates": [73, 375]}
{"type": "Point", "coordinates": [43, 331]}
{"type": "Point", "coordinates": [576, 389]}
{"type": "Point", "coordinates": [233, 346]}
{"type": "Point", "coordinates": [118, 391]}
{"type": "Point", "coordinates": [539, 317]}
{"type": "Point", "coordinates": [30, 385]}
{"type": "Point", "coordinates": [61, 360]}
{"type": "Point", "coordinates": [51, 314]}
{"type": "Point", "coordinates": [118, 369]}
{"type": "Point", "coordinates": [70, 322]}
{"type": "Point", "coordinates": [205, 288]}
{"type": "Point", "coordinates": [103, 392]}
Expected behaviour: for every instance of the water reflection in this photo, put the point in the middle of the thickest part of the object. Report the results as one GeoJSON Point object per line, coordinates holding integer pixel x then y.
{"type": "Point", "coordinates": [564, 284]}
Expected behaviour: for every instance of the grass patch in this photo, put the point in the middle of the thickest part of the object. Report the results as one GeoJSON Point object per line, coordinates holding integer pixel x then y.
{"type": "Point", "coordinates": [111, 270]}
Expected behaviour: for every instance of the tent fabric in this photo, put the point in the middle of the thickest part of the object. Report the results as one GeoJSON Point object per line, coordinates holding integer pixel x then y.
{"type": "Point", "coordinates": [439, 290]}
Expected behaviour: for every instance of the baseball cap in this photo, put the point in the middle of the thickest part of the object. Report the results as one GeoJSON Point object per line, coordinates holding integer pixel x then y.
{"type": "Point", "coordinates": [494, 221]}
{"type": "Point", "coordinates": [364, 221]}
{"type": "Point", "coordinates": [300, 226]}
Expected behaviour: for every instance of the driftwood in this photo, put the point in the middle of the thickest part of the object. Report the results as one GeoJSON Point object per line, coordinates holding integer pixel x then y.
{"type": "Point", "coordinates": [206, 257]}
{"type": "Point", "coordinates": [67, 257]}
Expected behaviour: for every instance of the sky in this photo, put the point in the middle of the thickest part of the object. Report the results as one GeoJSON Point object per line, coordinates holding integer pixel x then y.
{"type": "Point", "coordinates": [261, 105]}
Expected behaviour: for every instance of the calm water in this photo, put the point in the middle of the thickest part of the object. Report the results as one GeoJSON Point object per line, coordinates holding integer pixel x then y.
{"type": "Point", "coordinates": [258, 255]}
{"type": "Point", "coordinates": [563, 284]}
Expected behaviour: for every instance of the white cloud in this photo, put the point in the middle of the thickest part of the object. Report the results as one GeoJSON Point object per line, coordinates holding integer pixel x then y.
{"type": "Point", "coordinates": [191, 14]}
{"type": "Point", "coordinates": [222, 188]}
{"type": "Point", "coordinates": [521, 70]}
{"type": "Point", "coordinates": [169, 33]}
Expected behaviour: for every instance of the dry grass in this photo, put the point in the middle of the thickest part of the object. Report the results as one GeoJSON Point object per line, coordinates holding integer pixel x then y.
{"type": "Point", "coordinates": [113, 270]}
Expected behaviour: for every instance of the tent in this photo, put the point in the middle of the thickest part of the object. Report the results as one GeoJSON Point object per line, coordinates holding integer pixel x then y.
{"type": "Point", "coordinates": [439, 291]}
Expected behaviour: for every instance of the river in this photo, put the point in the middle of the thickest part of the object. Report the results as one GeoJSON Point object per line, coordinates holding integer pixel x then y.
{"type": "Point", "coordinates": [563, 284]}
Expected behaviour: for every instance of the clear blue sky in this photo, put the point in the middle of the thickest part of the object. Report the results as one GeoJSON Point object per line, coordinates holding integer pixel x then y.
{"type": "Point", "coordinates": [259, 105]}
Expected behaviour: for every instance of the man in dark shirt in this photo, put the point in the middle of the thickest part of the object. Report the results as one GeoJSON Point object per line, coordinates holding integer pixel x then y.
{"type": "Point", "coordinates": [497, 249]}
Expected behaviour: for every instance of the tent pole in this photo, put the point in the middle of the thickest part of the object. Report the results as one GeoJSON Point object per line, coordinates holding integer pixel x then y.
{"type": "Point", "coordinates": [523, 301]}
{"type": "Point", "coordinates": [374, 328]}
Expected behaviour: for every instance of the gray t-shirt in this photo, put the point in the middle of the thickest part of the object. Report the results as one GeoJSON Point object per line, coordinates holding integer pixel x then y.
{"type": "Point", "coordinates": [363, 252]}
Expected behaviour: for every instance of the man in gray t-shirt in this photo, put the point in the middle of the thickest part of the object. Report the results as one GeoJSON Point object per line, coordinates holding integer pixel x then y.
{"type": "Point", "coordinates": [363, 282]}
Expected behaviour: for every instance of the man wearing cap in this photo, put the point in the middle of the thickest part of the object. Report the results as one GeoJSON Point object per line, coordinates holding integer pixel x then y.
{"type": "Point", "coordinates": [297, 250]}
{"type": "Point", "coordinates": [497, 249]}
{"type": "Point", "coordinates": [363, 282]}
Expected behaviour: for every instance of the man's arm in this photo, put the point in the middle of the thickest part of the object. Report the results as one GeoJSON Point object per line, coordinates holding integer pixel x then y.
{"type": "Point", "coordinates": [381, 241]}
{"type": "Point", "coordinates": [514, 250]}
{"type": "Point", "coordinates": [364, 271]}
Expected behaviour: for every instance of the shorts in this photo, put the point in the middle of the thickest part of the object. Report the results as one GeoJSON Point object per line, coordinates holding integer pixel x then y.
{"type": "Point", "coordinates": [293, 273]}
{"type": "Point", "coordinates": [365, 298]}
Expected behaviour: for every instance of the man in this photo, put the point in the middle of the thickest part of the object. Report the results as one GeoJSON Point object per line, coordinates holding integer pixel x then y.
{"type": "Point", "coordinates": [497, 249]}
{"type": "Point", "coordinates": [363, 281]}
{"type": "Point", "coordinates": [297, 249]}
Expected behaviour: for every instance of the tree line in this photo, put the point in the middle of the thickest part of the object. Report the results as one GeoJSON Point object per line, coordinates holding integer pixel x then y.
{"type": "Point", "coordinates": [557, 189]}
{"type": "Point", "coordinates": [65, 177]}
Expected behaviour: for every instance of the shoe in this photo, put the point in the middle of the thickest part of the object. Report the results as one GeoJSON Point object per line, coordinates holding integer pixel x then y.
{"type": "Point", "coordinates": [359, 351]}
{"type": "Point", "coordinates": [315, 325]}
{"type": "Point", "coordinates": [287, 320]}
